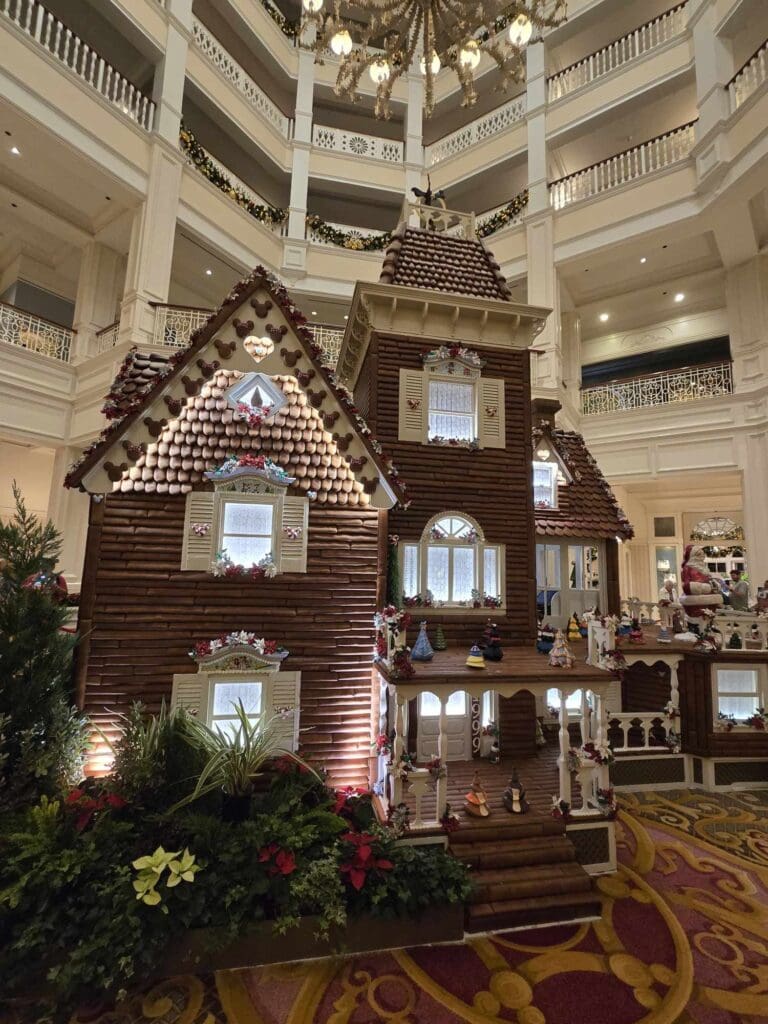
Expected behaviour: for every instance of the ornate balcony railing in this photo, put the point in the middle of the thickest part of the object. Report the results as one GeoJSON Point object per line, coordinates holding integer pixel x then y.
{"type": "Point", "coordinates": [641, 730]}
{"type": "Point", "coordinates": [106, 338]}
{"type": "Point", "coordinates": [664, 388]}
{"type": "Point", "coordinates": [228, 67]}
{"type": "Point", "coordinates": [647, 158]}
{"type": "Point", "coordinates": [34, 333]}
{"type": "Point", "coordinates": [749, 77]}
{"type": "Point", "coordinates": [329, 339]}
{"type": "Point", "coordinates": [357, 144]}
{"type": "Point", "coordinates": [616, 54]}
{"type": "Point", "coordinates": [69, 49]}
{"type": "Point", "coordinates": [174, 325]}
{"type": "Point", "coordinates": [350, 231]}
{"type": "Point", "coordinates": [483, 128]}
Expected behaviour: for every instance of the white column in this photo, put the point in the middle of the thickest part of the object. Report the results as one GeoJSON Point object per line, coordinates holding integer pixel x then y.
{"type": "Point", "coordinates": [674, 686]}
{"type": "Point", "coordinates": [168, 89]}
{"type": "Point", "coordinates": [97, 305]}
{"type": "Point", "coordinates": [543, 290]}
{"type": "Point", "coordinates": [601, 737]}
{"type": "Point", "coordinates": [295, 245]}
{"type": "Point", "coordinates": [68, 509]}
{"type": "Point", "coordinates": [414, 141]}
{"type": "Point", "coordinates": [148, 275]}
{"type": "Point", "coordinates": [570, 395]}
{"type": "Point", "coordinates": [585, 718]}
{"type": "Point", "coordinates": [565, 746]}
{"type": "Point", "coordinates": [536, 98]}
{"type": "Point", "coordinates": [714, 68]}
{"type": "Point", "coordinates": [442, 753]}
{"type": "Point", "coordinates": [398, 746]}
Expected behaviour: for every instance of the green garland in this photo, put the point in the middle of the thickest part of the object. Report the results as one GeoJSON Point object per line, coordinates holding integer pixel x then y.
{"type": "Point", "coordinates": [504, 216]}
{"type": "Point", "coordinates": [347, 239]}
{"type": "Point", "coordinates": [264, 214]}
{"type": "Point", "coordinates": [287, 27]}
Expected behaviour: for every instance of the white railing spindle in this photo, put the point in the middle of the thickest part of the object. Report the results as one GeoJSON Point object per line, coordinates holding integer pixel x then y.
{"type": "Point", "coordinates": [664, 388]}
{"type": "Point", "coordinates": [25, 330]}
{"type": "Point", "coordinates": [749, 78]}
{"type": "Point", "coordinates": [484, 128]}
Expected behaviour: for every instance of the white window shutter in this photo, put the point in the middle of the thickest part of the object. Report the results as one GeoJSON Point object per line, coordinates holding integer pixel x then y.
{"type": "Point", "coordinates": [490, 413]}
{"type": "Point", "coordinates": [285, 693]}
{"type": "Point", "coordinates": [412, 425]}
{"type": "Point", "coordinates": [294, 530]}
{"type": "Point", "coordinates": [199, 540]}
{"type": "Point", "coordinates": [190, 691]}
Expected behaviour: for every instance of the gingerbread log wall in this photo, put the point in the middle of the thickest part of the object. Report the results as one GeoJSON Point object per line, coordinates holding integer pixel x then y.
{"type": "Point", "coordinates": [147, 614]}
{"type": "Point", "coordinates": [492, 485]}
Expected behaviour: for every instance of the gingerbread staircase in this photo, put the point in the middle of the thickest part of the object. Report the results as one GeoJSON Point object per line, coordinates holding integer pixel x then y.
{"type": "Point", "coordinates": [525, 874]}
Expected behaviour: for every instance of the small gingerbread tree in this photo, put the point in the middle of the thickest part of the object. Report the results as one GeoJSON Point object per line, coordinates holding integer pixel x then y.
{"type": "Point", "coordinates": [440, 643]}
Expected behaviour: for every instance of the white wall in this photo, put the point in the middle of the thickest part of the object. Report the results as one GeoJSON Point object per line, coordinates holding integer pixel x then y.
{"type": "Point", "coordinates": [32, 469]}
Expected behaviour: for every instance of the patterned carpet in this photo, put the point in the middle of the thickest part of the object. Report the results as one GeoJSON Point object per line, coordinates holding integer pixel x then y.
{"type": "Point", "coordinates": [683, 938]}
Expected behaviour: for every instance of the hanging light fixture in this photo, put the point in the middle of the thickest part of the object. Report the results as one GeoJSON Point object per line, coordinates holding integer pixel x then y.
{"type": "Point", "coordinates": [390, 38]}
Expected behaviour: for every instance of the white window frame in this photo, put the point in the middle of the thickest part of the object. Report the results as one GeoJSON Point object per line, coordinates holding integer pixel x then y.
{"type": "Point", "coordinates": [237, 498]}
{"type": "Point", "coordinates": [554, 469]}
{"type": "Point", "coordinates": [451, 711]}
{"type": "Point", "coordinates": [470, 382]}
{"type": "Point", "coordinates": [236, 394]}
{"type": "Point", "coordinates": [216, 678]}
{"type": "Point", "coordinates": [479, 545]}
{"type": "Point", "coordinates": [760, 693]}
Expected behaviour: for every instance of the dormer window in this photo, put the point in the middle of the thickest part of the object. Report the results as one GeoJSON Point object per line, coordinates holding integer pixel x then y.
{"type": "Point", "coordinates": [545, 484]}
{"type": "Point", "coordinates": [256, 398]}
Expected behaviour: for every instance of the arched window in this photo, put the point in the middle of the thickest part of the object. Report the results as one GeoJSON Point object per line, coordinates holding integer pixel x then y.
{"type": "Point", "coordinates": [453, 566]}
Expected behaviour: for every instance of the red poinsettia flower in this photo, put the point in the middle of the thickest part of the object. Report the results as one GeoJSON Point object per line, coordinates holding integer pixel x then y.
{"type": "Point", "coordinates": [267, 851]}
{"type": "Point", "coordinates": [362, 860]}
{"type": "Point", "coordinates": [343, 795]}
{"type": "Point", "coordinates": [285, 862]}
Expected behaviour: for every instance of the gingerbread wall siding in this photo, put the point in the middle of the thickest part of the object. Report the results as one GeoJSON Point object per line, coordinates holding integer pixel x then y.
{"type": "Point", "coordinates": [645, 687]}
{"type": "Point", "coordinates": [147, 614]}
{"type": "Point", "coordinates": [492, 485]}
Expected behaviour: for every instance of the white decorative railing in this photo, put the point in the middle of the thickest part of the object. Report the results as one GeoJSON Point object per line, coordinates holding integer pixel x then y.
{"type": "Point", "coordinates": [228, 67]}
{"type": "Point", "coordinates": [106, 338]}
{"type": "Point", "coordinates": [35, 334]}
{"type": "Point", "coordinates": [69, 49]}
{"type": "Point", "coordinates": [175, 324]}
{"type": "Point", "coordinates": [235, 181]}
{"type": "Point", "coordinates": [349, 229]}
{"type": "Point", "coordinates": [483, 128]}
{"type": "Point", "coordinates": [664, 388]}
{"type": "Point", "coordinates": [616, 54]}
{"type": "Point", "coordinates": [630, 165]}
{"type": "Point", "coordinates": [749, 77]}
{"type": "Point", "coordinates": [646, 612]}
{"type": "Point", "coordinates": [357, 144]}
{"type": "Point", "coordinates": [329, 339]}
{"type": "Point", "coordinates": [648, 723]}
{"type": "Point", "coordinates": [487, 214]}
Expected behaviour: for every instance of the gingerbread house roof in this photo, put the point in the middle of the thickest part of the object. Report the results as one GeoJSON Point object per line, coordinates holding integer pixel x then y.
{"type": "Point", "coordinates": [586, 506]}
{"type": "Point", "coordinates": [435, 260]}
{"type": "Point", "coordinates": [171, 420]}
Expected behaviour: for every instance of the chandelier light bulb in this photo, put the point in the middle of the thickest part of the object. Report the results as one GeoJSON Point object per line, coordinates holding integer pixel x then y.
{"type": "Point", "coordinates": [469, 55]}
{"type": "Point", "coordinates": [312, 6]}
{"type": "Point", "coordinates": [434, 64]}
{"type": "Point", "coordinates": [379, 72]}
{"type": "Point", "coordinates": [341, 43]}
{"type": "Point", "coordinates": [520, 30]}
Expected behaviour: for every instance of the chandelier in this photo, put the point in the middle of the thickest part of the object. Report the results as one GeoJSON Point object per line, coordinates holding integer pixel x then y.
{"type": "Point", "coordinates": [434, 34]}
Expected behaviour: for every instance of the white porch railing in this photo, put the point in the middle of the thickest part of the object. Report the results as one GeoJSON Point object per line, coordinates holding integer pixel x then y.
{"type": "Point", "coordinates": [663, 388]}
{"type": "Point", "coordinates": [749, 78]}
{"type": "Point", "coordinates": [175, 324]}
{"type": "Point", "coordinates": [228, 67]}
{"type": "Point", "coordinates": [329, 339]}
{"type": "Point", "coordinates": [646, 612]}
{"type": "Point", "coordinates": [69, 49]}
{"type": "Point", "coordinates": [357, 144]}
{"type": "Point", "coordinates": [106, 338]}
{"type": "Point", "coordinates": [647, 723]}
{"type": "Point", "coordinates": [17, 327]}
{"type": "Point", "coordinates": [483, 128]}
{"type": "Point", "coordinates": [648, 157]}
{"type": "Point", "coordinates": [616, 54]}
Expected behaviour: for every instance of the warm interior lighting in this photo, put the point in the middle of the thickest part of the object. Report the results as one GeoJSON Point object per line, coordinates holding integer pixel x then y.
{"type": "Point", "coordinates": [643, 259]}
{"type": "Point", "coordinates": [679, 296]}
{"type": "Point", "coordinates": [469, 55]}
{"type": "Point", "coordinates": [208, 273]}
{"type": "Point", "coordinates": [341, 43]}
{"type": "Point", "coordinates": [520, 30]}
{"type": "Point", "coordinates": [379, 72]}
{"type": "Point", "coordinates": [312, 6]}
{"type": "Point", "coordinates": [434, 64]}
{"type": "Point", "coordinates": [604, 317]}
{"type": "Point", "coordinates": [15, 150]}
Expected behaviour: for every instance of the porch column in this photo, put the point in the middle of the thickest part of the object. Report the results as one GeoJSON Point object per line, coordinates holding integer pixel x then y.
{"type": "Point", "coordinates": [398, 746]}
{"type": "Point", "coordinates": [414, 144]}
{"type": "Point", "coordinates": [601, 737]}
{"type": "Point", "coordinates": [674, 686]}
{"type": "Point", "coordinates": [585, 716]}
{"type": "Point", "coordinates": [565, 746]}
{"type": "Point", "coordinates": [442, 753]}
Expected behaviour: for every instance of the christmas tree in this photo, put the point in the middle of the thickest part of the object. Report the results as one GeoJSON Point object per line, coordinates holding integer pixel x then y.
{"type": "Point", "coordinates": [560, 656]}
{"type": "Point", "coordinates": [422, 650]}
{"type": "Point", "coordinates": [574, 633]}
{"type": "Point", "coordinates": [42, 737]}
{"type": "Point", "coordinates": [440, 643]}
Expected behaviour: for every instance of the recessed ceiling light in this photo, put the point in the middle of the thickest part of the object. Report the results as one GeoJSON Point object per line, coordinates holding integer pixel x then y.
{"type": "Point", "coordinates": [679, 296]}
{"type": "Point", "coordinates": [208, 272]}
{"type": "Point", "coordinates": [314, 312]}
{"type": "Point", "coordinates": [346, 318]}
{"type": "Point", "coordinates": [604, 317]}
{"type": "Point", "coordinates": [15, 150]}
{"type": "Point", "coordinates": [643, 259]}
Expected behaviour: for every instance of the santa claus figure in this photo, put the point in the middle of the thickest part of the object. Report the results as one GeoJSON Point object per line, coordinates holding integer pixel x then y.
{"type": "Point", "coordinates": [701, 592]}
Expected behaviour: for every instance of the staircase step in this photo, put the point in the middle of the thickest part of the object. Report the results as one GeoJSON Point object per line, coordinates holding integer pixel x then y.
{"type": "Point", "coordinates": [501, 884]}
{"type": "Point", "coordinates": [515, 853]}
{"type": "Point", "coordinates": [511, 829]}
{"type": "Point", "coordinates": [524, 913]}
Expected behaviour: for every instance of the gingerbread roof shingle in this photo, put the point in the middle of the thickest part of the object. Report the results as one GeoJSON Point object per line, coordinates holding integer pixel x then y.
{"type": "Point", "coordinates": [137, 375]}
{"type": "Point", "coordinates": [586, 507]}
{"type": "Point", "coordinates": [420, 258]}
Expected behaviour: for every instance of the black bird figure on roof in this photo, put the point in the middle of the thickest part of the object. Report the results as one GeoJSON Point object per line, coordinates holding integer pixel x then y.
{"type": "Point", "coordinates": [427, 195]}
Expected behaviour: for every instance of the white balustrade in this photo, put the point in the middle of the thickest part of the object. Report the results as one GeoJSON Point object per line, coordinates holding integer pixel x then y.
{"type": "Point", "coordinates": [174, 325]}
{"type": "Point", "coordinates": [632, 164]}
{"type": "Point", "coordinates": [106, 338]}
{"type": "Point", "coordinates": [647, 722]}
{"type": "Point", "coordinates": [236, 182]}
{"type": "Point", "coordinates": [483, 128]}
{"type": "Point", "coordinates": [419, 785]}
{"type": "Point", "coordinates": [487, 214]}
{"type": "Point", "coordinates": [617, 54]}
{"type": "Point", "coordinates": [646, 612]}
{"type": "Point", "coordinates": [749, 78]}
{"type": "Point", "coordinates": [35, 334]}
{"type": "Point", "coordinates": [70, 50]}
{"type": "Point", "coordinates": [349, 229]}
{"type": "Point", "coordinates": [228, 67]}
{"type": "Point", "coordinates": [357, 144]}
{"type": "Point", "coordinates": [329, 339]}
{"type": "Point", "coordinates": [664, 388]}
